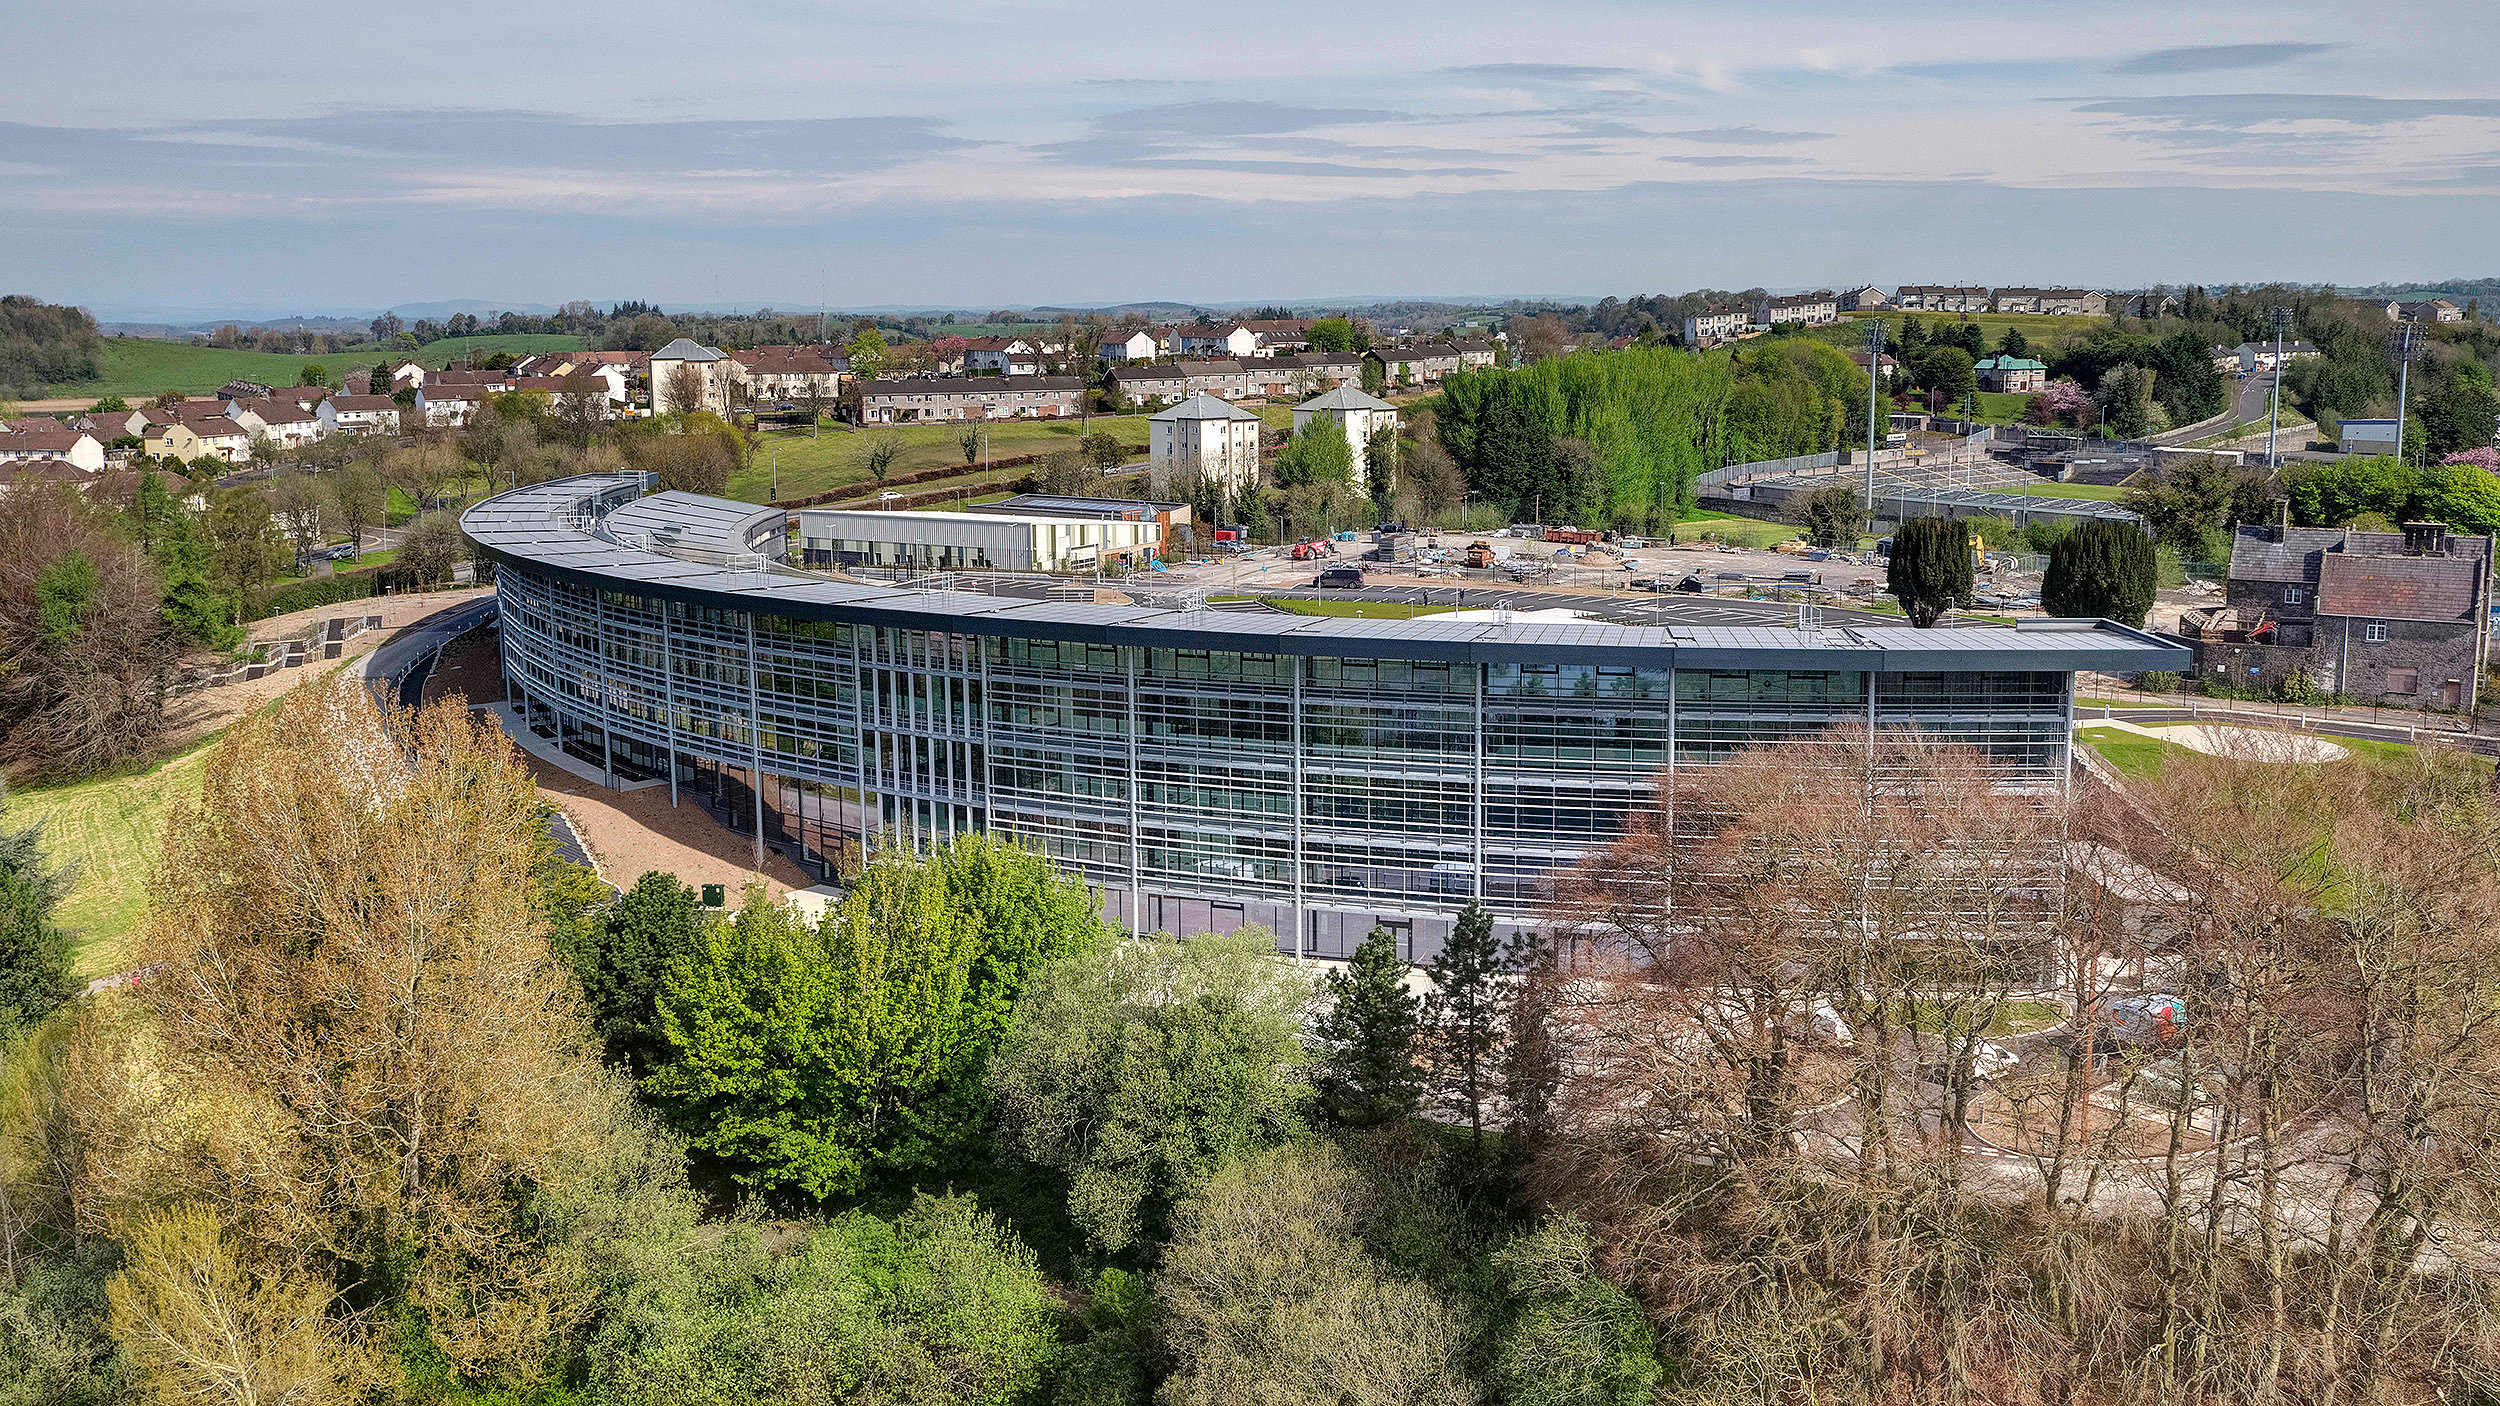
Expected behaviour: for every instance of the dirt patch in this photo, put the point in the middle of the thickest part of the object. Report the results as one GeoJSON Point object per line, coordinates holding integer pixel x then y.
{"type": "Point", "coordinates": [471, 666]}
{"type": "Point", "coordinates": [197, 714]}
{"type": "Point", "coordinates": [631, 833]}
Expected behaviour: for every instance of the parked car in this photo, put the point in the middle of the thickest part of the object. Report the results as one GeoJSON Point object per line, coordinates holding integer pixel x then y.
{"type": "Point", "coordinates": [1339, 576]}
{"type": "Point", "coordinates": [1692, 585]}
{"type": "Point", "coordinates": [1644, 583]}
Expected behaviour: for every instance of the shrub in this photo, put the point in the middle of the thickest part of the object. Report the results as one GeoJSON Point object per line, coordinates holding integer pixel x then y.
{"type": "Point", "coordinates": [2158, 681]}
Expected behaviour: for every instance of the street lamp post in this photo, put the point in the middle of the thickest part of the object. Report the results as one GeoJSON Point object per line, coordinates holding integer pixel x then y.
{"type": "Point", "coordinates": [1874, 371]}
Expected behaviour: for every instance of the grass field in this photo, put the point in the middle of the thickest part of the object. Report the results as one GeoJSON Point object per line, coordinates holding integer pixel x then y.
{"type": "Point", "coordinates": [112, 828]}
{"type": "Point", "coordinates": [449, 349]}
{"type": "Point", "coordinates": [2002, 407]}
{"type": "Point", "coordinates": [812, 464]}
{"type": "Point", "coordinates": [1354, 609]}
{"type": "Point", "coordinates": [133, 367]}
{"type": "Point", "coordinates": [2042, 330]}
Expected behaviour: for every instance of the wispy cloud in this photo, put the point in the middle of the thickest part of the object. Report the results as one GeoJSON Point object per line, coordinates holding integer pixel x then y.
{"type": "Point", "coordinates": [1746, 136]}
{"type": "Point", "coordinates": [2218, 58]}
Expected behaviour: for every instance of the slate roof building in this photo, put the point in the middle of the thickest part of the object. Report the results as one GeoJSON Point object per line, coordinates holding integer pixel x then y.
{"type": "Point", "coordinates": [1201, 770]}
{"type": "Point", "coordinates": [1201, 437]}
{"type": "Point", "coordinates": [2399, 618]}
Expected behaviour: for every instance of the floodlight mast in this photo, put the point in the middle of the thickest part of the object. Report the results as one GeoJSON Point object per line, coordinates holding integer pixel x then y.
{"type": "Point", "coordinates": [1875, 339]}
{"type": "Point", "coordinates": [2404, 344]}
{"type": "Point", "coordinates": [2274, 420]}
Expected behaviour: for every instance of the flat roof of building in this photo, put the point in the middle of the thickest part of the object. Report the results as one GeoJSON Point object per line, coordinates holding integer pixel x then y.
{"type": "Point", "coordinates": [550, 527]}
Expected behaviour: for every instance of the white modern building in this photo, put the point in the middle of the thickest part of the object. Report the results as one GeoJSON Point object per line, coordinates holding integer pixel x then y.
{"type": "Point", "coordinates": [942, 541]}
{"type": "Point", "coordinates": [1204, 435]}
{"type": "Point", "coordinates": [1136, 346]}
{"type": "Point", "coordinates": [711, 364]}
{"type": "Point", "coordinates": [1361, 415]}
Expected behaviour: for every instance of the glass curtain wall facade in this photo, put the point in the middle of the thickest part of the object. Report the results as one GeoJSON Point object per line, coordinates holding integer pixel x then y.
{"type": "Point", "coordinates": [1196, 789]}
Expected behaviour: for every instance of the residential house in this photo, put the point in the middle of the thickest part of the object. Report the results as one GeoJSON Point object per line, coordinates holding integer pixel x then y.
{"type": "Point", "coordinates": [1804, 309]}
{"type": "Point", "coordinates": [2433, 310]}
{"type": "Point", "coordinates": [1475, 353]}
{"type": "Point", "coordinates": [1278, 336]}
{"type": "Point", "coordinates": [1865, 298]}
{"type": "Point", "coordinates": [217, 436]}
{"type": "Point", "coordinates": [243, 390]}
{"type": "Point", "coordinates": [708, 367]}
{"type": "Point", "coordinates": [55, 451]}
{"type": "Point", "coordinates": [1318, 371]}
{"type": "Point", "coordinates": [1716, 324]}
{"type": "Point", "coordinates": [1885, 365]}
{"type": "Point", "coordinates": [1214, 339]}
{"type": "Point", "coordinates": [1205, 437]}
{"type": "Point", "coordinates": [786, 374]}
{"type": "Point", "coordinates": [451, 407]}
{"type": "Point", "coordinates": [171, 439]}
{"type": "Point", "coordinates": [110, 425]}
{"type": "Point", "coordinates": [921, 398]}
{"type": "Point", "coordinates": [1938, 297]}
{"type": "Point", "coordinates": [2259, 356]}
{"type": "Point", "coordinates": [359, 414]}
{"type": "Point", "coordinates": [281, 421]}
{"type": "Point", "coordinates": [2012, 375]}
{"type": "Point", "coordinates": [2064, 302]}
{"type": "Point", "coordinates": [1140, 345]}
{"type": "Point", "coordinates": [1138, 383]}
{"type": "Point", "coordinates": [1360, 415]}
{"type": "Point", "coordinates": [1421, 365]}
{"type": "Point", "coordinates": [407, 373]}
{"type": "Point", "coordinates": [2379, 617]}
{"type": "Point", "coordinates": [1003, 356]}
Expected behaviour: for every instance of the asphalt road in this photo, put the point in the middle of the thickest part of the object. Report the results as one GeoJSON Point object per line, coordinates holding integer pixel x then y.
{"type": "Point", "coordinates": [397, 668]}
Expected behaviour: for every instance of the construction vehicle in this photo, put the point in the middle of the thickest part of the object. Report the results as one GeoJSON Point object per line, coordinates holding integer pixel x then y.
{"type": "Point", "coordinates": [1480, 555]}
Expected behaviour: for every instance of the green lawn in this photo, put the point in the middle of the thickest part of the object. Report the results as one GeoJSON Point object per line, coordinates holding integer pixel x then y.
{"type": "Point", "coordinates": [1743, 531]}
{"type": "Point", "coordinates": [112, 828]}
{"type": "Point", "coordinates": [2002, 407]}
{"type": "Point", "coordinates": [2130, 753]}
{"type": "Point", "coordinates": [2100, 492]}
{"type": "Point", "coordinates": [813, 464]}
{"type": "Point", "coordinates": [1352, 609]}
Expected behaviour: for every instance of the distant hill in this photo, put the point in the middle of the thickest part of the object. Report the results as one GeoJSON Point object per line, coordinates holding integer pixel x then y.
{"type": "Point", "coordinates": [2455, 290]}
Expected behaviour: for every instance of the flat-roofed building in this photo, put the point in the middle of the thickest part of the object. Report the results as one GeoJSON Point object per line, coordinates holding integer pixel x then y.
{"type": "Point", "coordinates": [942, 541]}
{"type": "Point", "coordinates": [1202, 770]}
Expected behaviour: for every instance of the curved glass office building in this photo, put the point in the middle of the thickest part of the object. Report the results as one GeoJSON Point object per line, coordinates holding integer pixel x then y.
{"type": "Point", "coordinates": [1201, 769]}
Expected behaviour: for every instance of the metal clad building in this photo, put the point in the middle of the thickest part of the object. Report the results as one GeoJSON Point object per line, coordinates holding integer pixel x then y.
{"type": "Point", "coordinates": [1202, 770]}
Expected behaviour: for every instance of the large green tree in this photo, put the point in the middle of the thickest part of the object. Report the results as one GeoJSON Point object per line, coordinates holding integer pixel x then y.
{"type": "Point", "coordinates": [622, 956]}
{"type": "Point", "coordinates": [807, 1057]}
{"type": "Point", "coordinates": [1568, 1338]}
{"type": "Point", "coordinates": [941, 1305]}
{"type": "Point", "coordinates": [1138, 1068]}
{"type": "Point", "coordinates": [2102, 569]}
{"type": "Point", "coordinates": [1930, 570]}
{"type": "Point", "coordinates": [1468, 1012]}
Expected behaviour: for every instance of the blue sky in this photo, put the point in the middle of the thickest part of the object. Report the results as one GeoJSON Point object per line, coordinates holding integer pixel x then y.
{"type": "Point", "coordinates": [162, 159]}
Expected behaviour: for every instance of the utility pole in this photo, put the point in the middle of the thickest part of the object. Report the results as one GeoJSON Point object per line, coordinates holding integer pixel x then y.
{"type": "Point", "coordinates": [2404, 344]}
{"type": "Point", "coordinates": [2274, 419]}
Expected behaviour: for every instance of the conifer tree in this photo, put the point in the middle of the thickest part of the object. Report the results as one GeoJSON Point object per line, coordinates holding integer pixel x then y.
{"type": "Point", "coordinates": [2101, 569]}
{"type": "Point", "coordinates": [1369, 1031]}
{"type": "Point", "coordinates": [1931, 567]}
{"type": "Point", "coordinates": [1468, 1011]}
